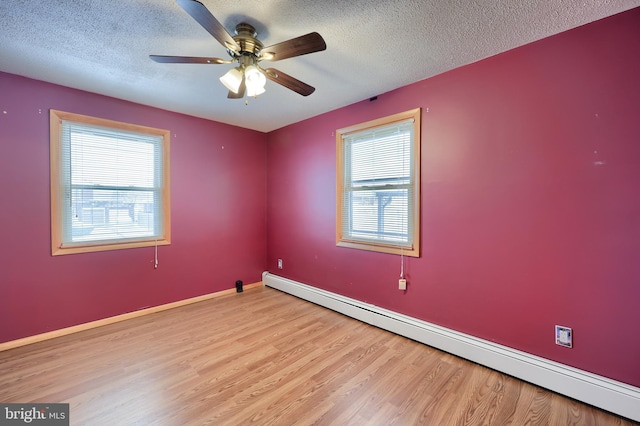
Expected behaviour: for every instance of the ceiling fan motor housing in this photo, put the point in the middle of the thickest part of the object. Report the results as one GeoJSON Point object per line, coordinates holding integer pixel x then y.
{"type": "Point", "coordinates": [246, 39]}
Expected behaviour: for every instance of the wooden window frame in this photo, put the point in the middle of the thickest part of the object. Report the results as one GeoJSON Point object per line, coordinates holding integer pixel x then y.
{"type": "Point", "coordinates": [341, 240]}
{"type": "Point", "coordinates": [57, 192]}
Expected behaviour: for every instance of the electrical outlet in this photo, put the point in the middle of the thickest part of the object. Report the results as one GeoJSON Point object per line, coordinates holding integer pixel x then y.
{"type": "Point", "coordinates": [402, 284]}
{"type": "Point", "coordinates": [279, 263]}
{"type": "Point", "coordinates": [564, 336]}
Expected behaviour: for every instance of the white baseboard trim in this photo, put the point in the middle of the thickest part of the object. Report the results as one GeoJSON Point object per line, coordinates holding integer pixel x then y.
{"type": "Point", "coordinates": [599, 391]}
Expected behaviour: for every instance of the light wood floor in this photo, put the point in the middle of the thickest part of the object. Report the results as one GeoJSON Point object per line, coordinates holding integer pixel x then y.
{"type": "Point", "coordinates": [264, 357]}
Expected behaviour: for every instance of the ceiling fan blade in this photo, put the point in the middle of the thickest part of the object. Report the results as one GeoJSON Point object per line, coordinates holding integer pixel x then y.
{"type": "Point", "coordinates": [240, 93]}
{"type": "Point", "coordinates": [289, 82]}
{"type": "Point", "coordinates": [309, 43]}
{"type": "Point", "coordinates": [202, 15]}
{"type": "Point", "coordinates": [187, 60]}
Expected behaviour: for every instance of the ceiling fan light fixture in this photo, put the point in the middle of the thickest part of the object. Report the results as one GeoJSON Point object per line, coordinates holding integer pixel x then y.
{"type": "Point", "coordinates": [255, 81]}
{"type": "Point", "coordinates": [232, 79]}
{"type": "Point", "coordinates": [253, 93]}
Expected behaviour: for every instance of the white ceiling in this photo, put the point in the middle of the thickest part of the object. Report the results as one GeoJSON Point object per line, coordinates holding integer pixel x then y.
{"type": "Point", "coordinates": [373, 47]}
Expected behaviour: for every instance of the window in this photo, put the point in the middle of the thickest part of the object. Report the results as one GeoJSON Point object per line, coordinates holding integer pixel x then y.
{"type": "Point", "coordinates": [109, 185]}
{"type": "Point", "coordinates": [378, 185]}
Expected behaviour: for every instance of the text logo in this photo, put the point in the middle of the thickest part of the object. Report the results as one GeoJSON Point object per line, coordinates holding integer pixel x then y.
{"type": "Point", "coordinates": [34, 414]}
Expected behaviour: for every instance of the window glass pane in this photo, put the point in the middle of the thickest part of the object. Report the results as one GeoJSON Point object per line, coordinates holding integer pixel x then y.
{"type": "Point", "coordinates": [112, 185]}
{"type": "Point", "coordinates": [106, 214]}
{"type": "Point", "coordinates": [111, 161]}
{"type": "Point", "coordinates": [378, 185]}
{"type": "Point", "coordinates": [379, 214]}
{"type": "Point", "coordinates": [381, 161]}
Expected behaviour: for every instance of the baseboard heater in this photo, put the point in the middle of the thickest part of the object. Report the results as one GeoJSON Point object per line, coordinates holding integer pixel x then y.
{"type": "Point", "coordinates": [599, 391]}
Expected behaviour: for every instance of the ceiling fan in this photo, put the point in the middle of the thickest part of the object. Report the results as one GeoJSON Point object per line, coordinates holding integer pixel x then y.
{"type": "Point", "coordinates": [244, 48]}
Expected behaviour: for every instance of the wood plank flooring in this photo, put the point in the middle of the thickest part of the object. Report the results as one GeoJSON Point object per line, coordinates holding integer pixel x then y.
{"type": "Point", "coordinates": [264, 357]}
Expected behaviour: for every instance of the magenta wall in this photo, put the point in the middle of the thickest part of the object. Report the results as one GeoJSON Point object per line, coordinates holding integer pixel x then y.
{"type": "Point", "coordinates": [530, 206]}
{"type": "Point", "coordinates": [530, 200]}
{"type": "Point", "coordinates": [218, 201]}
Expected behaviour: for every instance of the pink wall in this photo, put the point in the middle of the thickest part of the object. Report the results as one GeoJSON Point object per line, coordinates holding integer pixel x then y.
{"type": "Point", "coordinates": [530, 202]}
{"type": "Point", "coordinates": [530, 211]}
{"type": "Point", "coordinates": [218, 200]}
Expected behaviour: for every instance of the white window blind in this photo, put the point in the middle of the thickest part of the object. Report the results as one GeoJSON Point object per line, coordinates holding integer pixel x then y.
{"type": "Point", "coordinates": [379, 182]}
{"type": "Point", "coordinates": [112, 184]}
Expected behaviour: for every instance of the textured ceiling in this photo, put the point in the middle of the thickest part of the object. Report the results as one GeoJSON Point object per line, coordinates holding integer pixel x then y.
{"type": "Point", "coordinates": [373, 46]}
